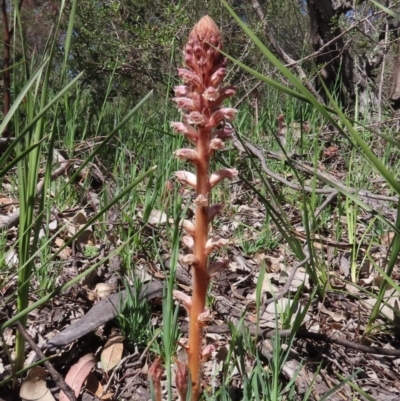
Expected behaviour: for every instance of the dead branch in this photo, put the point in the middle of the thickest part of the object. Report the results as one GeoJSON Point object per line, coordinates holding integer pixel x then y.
{"type": "Point", "coordinates": [253, 151]}
{"type": "Point", "coordinates": [54, 374]}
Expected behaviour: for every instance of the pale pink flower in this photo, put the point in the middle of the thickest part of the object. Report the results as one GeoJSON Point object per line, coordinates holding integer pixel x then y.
{"type": "Point", "coordinates": [186, 178]}
{"type": "Point", "coordinates": [221, 174]}
{"type": "Point", "coordinates": [215, 144]}
{"type": "Point", "coordinates": [207, 352]}
{"type": "Point", "coordinates": [211, 94]}
{"type": "Point", "coordinates": [223, 133]}
{"type": "Point", "coordinates": [188, 241]}
{"type": "Point", "coordinates": [184, 103]}
{"type": "Point", "coordinates": [218, 76]}
{"type": "Point", "coordinates": [226, 92]}
{"type": "Point", "coordinates": [227, 113]}
{"type": "Point", "coordinates": [204, 317]}
{"type": "Point", "coordinates": [188, 226]}
{"type": "Point", "coordinates": [189, 77]}
{"type": "Point", "coordinates": [215, 243]}
{"type": "Point", "coordinates": [183, 298]}
{"type": "Point", "coordinates": [187, 154]}
{"type": "Point", "coordinates": [181, 90]}
{"type": "Point", "coordinates": [187, 130]}
{"type": "Point", "coordinates": [195, 118]}
{"type": "Point", "coordinates": [190, 260]}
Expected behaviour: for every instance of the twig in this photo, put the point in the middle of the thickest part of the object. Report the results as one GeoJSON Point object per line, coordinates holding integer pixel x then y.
{"type": "Point", "coordinates": [252, 150]}
{"type": "Point", "coordinates": [333, 340]}
{"type": "Point", "coordinates": [326, 203]}
{"type": "Point", "coordinates": [54, 374]}
{"type": "Point", "coordinates": [224, 328]}
{"type": "Point", "coordinates": [286, 287]}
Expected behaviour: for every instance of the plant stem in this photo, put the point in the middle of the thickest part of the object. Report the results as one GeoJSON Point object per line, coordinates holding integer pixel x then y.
{"type": "Point", "coordinates": [200, 275]}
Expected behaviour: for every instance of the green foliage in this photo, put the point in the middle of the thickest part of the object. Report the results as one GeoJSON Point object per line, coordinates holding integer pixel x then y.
{"type": "Point", "coordinates": [133, 319]}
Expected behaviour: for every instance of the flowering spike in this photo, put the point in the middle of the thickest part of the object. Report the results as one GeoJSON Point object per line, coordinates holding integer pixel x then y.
{"type": "Point", "coordinates": [199, 55]}
{"type": "Point", "coordinates": [200, 100]}
{"type": "Point", "coordinates": [221, 174]}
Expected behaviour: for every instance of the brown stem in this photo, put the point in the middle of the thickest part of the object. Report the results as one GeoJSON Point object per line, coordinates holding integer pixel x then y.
{"type": "Point", "coordinates": [200, 276]}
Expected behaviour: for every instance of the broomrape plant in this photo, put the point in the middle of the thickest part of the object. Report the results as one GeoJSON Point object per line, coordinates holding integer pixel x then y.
{"type": "Point", "coordinates": [200, 100]}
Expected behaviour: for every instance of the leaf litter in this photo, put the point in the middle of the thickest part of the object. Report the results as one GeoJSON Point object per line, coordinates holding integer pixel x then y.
{"type": "Point", "coordinates": [342, 314]}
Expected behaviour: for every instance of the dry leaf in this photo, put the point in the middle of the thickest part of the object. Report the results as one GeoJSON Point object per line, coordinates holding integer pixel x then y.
{"type": "Point", "coordinates": [387, 238]}
{"type": "Point", "coordinates": [53, 225]}
{"type": "Point", "coordinates": [336, 316]}
{"type": "Point", "coordinates": [274, 265]}
{"type": "Point", "coordinates": [66, 252]}
{"type": "Point", "coordinates": [34, 386]}
{"type": "Point", "coordinates": [78, 374]}
{"type": "Point", "coordinates": [157, 217]}
{"type": "Point", "coordinates": [276, 309]}
{"type": "Point", "coordinates": [94, 387]}
{"type": "Point", "coordinates": [391, 298]}
{"type": "Point", "coordinates": [112, 353]}
{"type": "Point", "coordinates": [75, 224]}
{"type": "Point", "coordinates": [104, 289]}
{"type": "Point", "coordinates": [80, 218]}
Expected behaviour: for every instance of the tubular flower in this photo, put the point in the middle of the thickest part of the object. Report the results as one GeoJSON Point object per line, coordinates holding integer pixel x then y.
{"type": "Point", "coordinates": [186, 178]}
{"type": "Point", "coordinates": [155, 373]}
{"type": "Point", "coordinates": [184, 103]}
{"type": "Point", "coordinates": [184, 299]}
{"type": "Point", "coordinates": [221, 174]}
{"type": "Point", "coordinates": [181, 90]}
{"type": "Point", "coordinates": [187, 154]}
{"type": "Point", "coordinates": [187, 130]}
{"type": "Point", "coordinates": [182, 380]}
